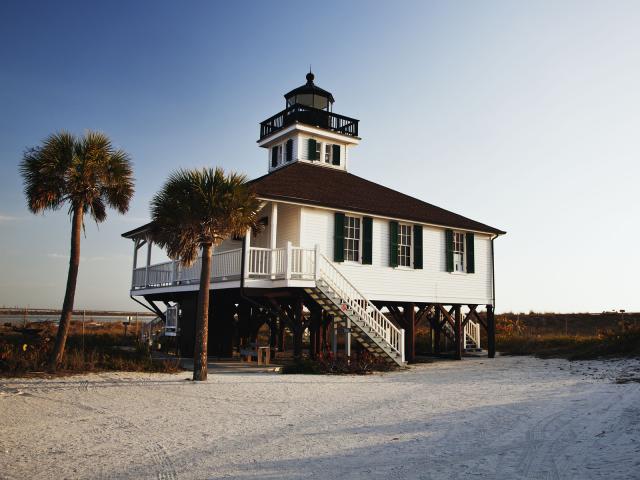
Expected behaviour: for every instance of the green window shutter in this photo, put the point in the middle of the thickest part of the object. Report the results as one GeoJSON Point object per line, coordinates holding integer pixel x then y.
{"type": "Point", "coordinates": [367, 231]}
{"type": "Point", "coordinates": [274, 157]}
{"type": "Point", "coordinates": [336, 155]}
{"type": "Point", "coordinates": [393, 244]}
{"type": "Point", "coordinates": [338, 238]}
{"type": "Point", "coordinates": [448, 236]}
{"type": "Point", "coordinates": [312, 149]}
{"type": "Point", "coordinates": [417, 247]}
{"type": "Point", "coordinates": [289, 156]}
{"type": "Point", "coordinates": [471, 261]}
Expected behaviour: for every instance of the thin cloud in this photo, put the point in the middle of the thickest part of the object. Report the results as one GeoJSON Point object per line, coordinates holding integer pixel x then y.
{"type": "Point", "coordinates": [97, 258]}
{"type": "Point", "coordinates": [7, 218]}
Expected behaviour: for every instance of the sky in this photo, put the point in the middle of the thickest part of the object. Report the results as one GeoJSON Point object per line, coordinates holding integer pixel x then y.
{"type": "Point", "coordinates": [521, 115]}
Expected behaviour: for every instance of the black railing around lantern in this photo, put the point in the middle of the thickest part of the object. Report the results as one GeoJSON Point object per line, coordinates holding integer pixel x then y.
{"type": "Point", "coordinates": [309, 116]}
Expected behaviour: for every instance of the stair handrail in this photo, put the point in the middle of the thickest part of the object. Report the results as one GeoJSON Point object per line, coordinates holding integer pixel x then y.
{"type": "Point", "coordinates": [472, 329]}
{"type": "Point", "coordinates": [374, 318]}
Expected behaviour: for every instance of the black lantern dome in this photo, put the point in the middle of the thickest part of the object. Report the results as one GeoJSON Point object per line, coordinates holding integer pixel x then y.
{"type": "Point", "coordinates": [310, 95]}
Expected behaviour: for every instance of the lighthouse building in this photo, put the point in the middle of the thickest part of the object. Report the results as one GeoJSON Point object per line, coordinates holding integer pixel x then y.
{"type": "Point", "coordinates": [340, 260]}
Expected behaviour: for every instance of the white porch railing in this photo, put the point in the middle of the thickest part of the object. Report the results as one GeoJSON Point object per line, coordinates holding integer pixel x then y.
{"type": "Point", "coordinates": [279, 263]}
{"type": "Point", "coordinates": [224, 266]}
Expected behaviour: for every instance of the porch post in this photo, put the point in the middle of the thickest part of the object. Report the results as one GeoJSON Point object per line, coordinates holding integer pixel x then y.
{"type": "Point", "coordinates": [436, 332]}
{"type": "Point", "coordinates": [409, 312]}
{"type": "Point", "coordinates": [146, 272]}
{"type": "Point", "coordinates": [273, 230]}
{"type": "Point", "coordinates": [458, 332]}
{"type": "Point", "coordinates": [347, 339]}
{"type": "Point", "coordinates": [297, 328]}
{"type": "Point", "coordinates": [491, 332]}
{"type": "Point", "coordinates": [288, 260]}
{"type": "Point", "coordinates": [247, 254]}
{"type": "Point", "coordinates": [136, 242]}
{"type": "Point", "coordinates": [334, 337]}
{"type": "Point", "coordinates": [135, 262]}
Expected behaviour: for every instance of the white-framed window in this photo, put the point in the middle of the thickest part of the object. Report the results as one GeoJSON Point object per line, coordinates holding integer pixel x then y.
{"type": "Point", "coordinates": [405, 233]}
{"type": "Point", "coordinates": [328, 152]}
{"type": "Point", "coordinates": [458, 252]}
{"type": "Point", "coordinates": [318, 150]}
{"type": "Point", "coordinates": [352, 243]}
{"type": "Point", "coordinates": [276, 155]}
{"type": "Point", "coordinates": [289, 150]}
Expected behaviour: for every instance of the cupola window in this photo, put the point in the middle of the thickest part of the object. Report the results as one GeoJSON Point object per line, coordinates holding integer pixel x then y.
{"type": "Point", "coordinates": [289, 150]}
{"type": "Point", "coordinates": [332, 154]}
{"type": "Point", "coordinates": [276, 155]}
{"type": "Point", "coordinates": [314, 149]}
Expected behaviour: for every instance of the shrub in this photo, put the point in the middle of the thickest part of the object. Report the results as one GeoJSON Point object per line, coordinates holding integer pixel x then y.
{"type": "Point", "coordinates": [608, 344]}
{"type": "Point", "coordinates": [28, 351]}
{"type": "Point", "coordinates": [361, 364]}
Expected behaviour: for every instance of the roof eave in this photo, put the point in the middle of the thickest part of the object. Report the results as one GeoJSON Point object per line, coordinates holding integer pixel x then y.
{"type": "Point", "coordinates": [302, 201]}
{"type": "Point", "coordinates": [136, 232]}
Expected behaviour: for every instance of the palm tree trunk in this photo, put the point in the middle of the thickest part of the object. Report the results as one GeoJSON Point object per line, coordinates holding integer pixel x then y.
{"type": "Point", "coordinates": [202, 322]}
{"type": "Point", "coordinates": [70, 292]}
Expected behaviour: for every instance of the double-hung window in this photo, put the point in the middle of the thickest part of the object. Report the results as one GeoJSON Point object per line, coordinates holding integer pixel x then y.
{"type": "Point", "coordinates": [327, 152]}
{"type": "Point", "coordinates": [458, 252]}
{"type": "Point", "coordinates": [318, 148]}
{"type": "Point", "coordinates": [352, 233]}
{"type": "Point", "coordinates": [276, 156]}
{"type": "Point", "coordinates": [404, 245]}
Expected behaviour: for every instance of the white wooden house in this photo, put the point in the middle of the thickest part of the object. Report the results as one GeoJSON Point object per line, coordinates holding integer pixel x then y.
{"type": "Point", "coordinates": [336, 251]}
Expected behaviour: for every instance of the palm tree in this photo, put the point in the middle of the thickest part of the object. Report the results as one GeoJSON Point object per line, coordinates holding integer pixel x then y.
{"type": "Point", "coordinates": [87, 174]}
{"type": "Point", "coordinates": [194, 211]}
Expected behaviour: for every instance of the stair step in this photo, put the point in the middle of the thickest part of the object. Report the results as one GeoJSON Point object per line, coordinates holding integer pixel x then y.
{"type": "Point", "coordinates": [332, 302]}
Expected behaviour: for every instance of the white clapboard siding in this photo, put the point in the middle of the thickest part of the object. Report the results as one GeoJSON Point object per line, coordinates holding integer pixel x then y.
{"type": "Point", "coordinates": [227, 245]}
{"type": "Point", "coordinates": [301, 151]}
{"type": "Point", "coordinates": [288, 225]}
{"type": "Point", "coordinates": [381, 282]}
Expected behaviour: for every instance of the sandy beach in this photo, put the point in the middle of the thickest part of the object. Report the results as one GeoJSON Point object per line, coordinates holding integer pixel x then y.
{"type": "Point", "coordinates": [508, 418]}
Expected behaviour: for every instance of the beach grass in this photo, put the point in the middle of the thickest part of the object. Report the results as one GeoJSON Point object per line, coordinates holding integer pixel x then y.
{"type": "Point", "coordinates": [577, 347]}
{"type": "Point", "coordinates": [100, 347]}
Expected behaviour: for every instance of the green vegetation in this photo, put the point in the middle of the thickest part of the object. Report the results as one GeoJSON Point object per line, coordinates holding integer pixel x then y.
{"type": "Point", "coordinates": [27, 351]}
{"type": "Point", "coordinates": [571, 336]}
{"type": "Point", "coordinates": [87, 175]}
{"type": "Point", "coordinates": [194, 211]}
{"type": "Point", "coordinates": [567, 335]}
{"type": "Point", "coordinates": [613, 344]}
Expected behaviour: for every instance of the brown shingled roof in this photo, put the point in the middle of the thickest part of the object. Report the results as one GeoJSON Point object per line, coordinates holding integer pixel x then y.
{"type": "Point", "coordinates": [328, 187]}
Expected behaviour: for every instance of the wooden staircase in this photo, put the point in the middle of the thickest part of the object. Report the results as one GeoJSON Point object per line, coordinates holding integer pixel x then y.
{"type": "Point", "coordinates": [471, 336]}
{"type": "Point", "coordinates": [350, 308]}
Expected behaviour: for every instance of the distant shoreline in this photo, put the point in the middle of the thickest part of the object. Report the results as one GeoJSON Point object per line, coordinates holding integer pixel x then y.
{"type": "Point", "coordinates": [52, 311]}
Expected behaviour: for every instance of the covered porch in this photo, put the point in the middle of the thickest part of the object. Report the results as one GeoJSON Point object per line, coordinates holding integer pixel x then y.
{"type": "Point", "coordinates": [268, 257]}
{"type": "Point", "coordinates": [261, 264]}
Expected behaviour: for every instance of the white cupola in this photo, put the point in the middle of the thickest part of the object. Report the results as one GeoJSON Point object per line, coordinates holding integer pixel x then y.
{"type": "Point", "coordinates": [308, 131]}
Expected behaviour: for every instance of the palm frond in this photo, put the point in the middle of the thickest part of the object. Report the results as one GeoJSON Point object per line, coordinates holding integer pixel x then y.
{"type": "Point", "coordinates": [84, 172]}
{"type": "Point", "coordinates": [200, 207]}
{"type": "Point", "coordinates": [43, 170]}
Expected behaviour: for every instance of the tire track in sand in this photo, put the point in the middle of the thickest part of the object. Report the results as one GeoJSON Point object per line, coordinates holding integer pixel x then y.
{"type": "Point", "coordinates": [163, 466]}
